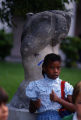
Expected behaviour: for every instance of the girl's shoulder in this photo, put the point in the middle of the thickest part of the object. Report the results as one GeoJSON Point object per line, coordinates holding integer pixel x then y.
{"type": "Point", "coordinates": [69, 117]}
{"type": "Point", "coordinates": [36, 83]}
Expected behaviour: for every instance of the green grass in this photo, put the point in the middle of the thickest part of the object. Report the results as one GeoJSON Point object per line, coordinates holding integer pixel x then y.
{"type": "Point", "coordinates": [12, 74]}
{"type": "Point", "coordinates": [72, 75]}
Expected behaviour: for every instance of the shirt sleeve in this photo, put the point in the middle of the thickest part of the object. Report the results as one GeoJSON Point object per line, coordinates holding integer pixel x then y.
{"type": "Point", "coordinates": [31, 90]}
{"type": "Point", "coordinates": [68, 89]}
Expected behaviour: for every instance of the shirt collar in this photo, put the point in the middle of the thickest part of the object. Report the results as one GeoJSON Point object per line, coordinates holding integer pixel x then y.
{"type": "Point", "coordinates": [51, 80]}
{"type": "Point", "coordinates": [75, 116]}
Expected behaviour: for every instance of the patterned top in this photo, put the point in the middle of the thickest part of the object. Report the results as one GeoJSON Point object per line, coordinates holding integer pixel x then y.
{"type": "Point", "coordinates": [42, 88]}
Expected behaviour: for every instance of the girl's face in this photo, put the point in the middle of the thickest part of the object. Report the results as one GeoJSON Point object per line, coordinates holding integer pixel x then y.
{"type": "Point", "coordinates": [53, 69]}
{"type": "Point", "coordinates": [78, 106]}
{"type": "Point", "coordinates": [3, 112]}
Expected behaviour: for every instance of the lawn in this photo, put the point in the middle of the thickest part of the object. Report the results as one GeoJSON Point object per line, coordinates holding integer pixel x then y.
{"type": "Point", "coordinates": [12, 74]}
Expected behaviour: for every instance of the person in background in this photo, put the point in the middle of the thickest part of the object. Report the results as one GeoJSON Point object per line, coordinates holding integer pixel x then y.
{"type": "Point", "coordinates": [3, 106]}
{"type": "Point", "coordinates": [76, 98]}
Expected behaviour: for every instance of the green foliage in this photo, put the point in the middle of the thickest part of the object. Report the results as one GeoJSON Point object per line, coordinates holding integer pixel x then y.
{"type": "Point", "coordinates": [5, 44]}
{"type": "Point", "coordinates": [70, 47]}
{"type": "Point", "coordinates": [21, 7]}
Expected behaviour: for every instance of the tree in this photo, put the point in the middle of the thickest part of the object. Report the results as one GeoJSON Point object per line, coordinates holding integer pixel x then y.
{"type": "Point", "coordinates": [12, 8]}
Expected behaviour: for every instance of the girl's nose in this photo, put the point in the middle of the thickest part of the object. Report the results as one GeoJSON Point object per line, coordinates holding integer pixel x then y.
{"type": "Point", "coordinates": [55, 69]}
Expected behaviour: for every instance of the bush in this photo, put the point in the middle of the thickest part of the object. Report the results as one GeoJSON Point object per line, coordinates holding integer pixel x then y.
{"type": "Point", "coordinates": [70, 46]}
{"type": "Point", "coordinates": [5, 44]}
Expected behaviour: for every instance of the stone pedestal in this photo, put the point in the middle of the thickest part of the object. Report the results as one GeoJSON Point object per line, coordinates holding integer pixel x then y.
{"type": "Point", "coordinates": [20, 114]}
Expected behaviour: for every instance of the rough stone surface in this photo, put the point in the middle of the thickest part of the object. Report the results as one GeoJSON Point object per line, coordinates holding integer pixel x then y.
{"type": "Point", "coordinates": [20, 114]}
{"type": "Point", "coordinates": [44, 28]}
{"type": "Point", "coordinates": [41, 33]}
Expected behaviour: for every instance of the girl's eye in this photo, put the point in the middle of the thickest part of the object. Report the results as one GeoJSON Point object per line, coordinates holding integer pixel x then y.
{"type": "Point", "coordinates": [52, 67]}
{"type": "Point", "coordinates": [55, 68]}
{"type": "Point", "coordinates": [58, 67]}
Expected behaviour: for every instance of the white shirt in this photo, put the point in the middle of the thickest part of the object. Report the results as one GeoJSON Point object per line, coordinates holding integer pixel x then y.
{"type": "Point", "coordinates": [42, 88]}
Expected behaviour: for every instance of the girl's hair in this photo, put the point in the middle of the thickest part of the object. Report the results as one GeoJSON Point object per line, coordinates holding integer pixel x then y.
{"type": "Point", "coordinates": [3, 96]}
{"type": "Point", "coordinates": [49, 58]}
{"type": "Point", "coordinates": [76, 91]}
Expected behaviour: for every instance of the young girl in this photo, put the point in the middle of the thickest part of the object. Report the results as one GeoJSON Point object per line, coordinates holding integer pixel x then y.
{"type": "Point", "coordinates": [3, 107]}
{"type": "Point", "coordinates": [76, 98]}
{"type": "Point", "coordinates": [45, 94]}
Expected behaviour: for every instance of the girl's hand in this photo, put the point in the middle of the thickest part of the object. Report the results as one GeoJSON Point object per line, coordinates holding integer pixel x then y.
{"type": "Point", "coordinates": [34, 105]}
{"type": "Point", "coordinates": [38, 103]}
{"type": "Point", "coordinates": [54, 97]}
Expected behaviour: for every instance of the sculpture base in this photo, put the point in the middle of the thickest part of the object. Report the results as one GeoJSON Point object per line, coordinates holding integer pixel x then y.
{"type": "Point", "coordinates": [20, 114]}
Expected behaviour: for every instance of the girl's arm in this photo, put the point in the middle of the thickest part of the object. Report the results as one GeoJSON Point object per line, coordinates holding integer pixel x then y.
{"type": "Point", "coordinates": [69, 106]}
{"type": "Point", "coordinates": [34, 105]}
{"type": "Point", "coordinates": [66, 104]}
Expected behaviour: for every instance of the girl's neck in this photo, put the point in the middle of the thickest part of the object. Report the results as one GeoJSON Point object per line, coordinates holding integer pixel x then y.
{"type": "Point", "coordinates": [50, 78]}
